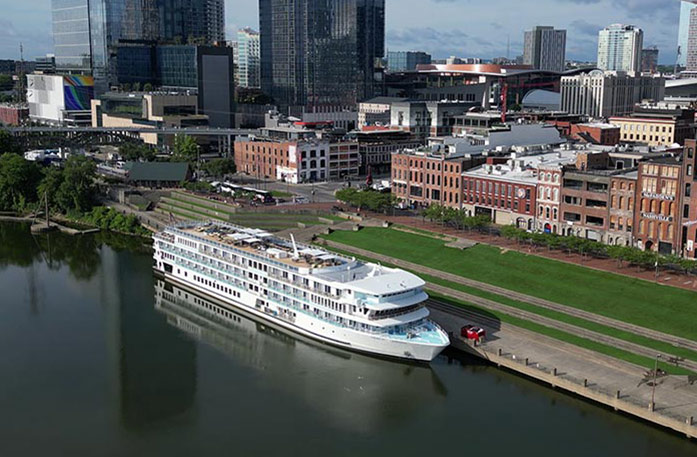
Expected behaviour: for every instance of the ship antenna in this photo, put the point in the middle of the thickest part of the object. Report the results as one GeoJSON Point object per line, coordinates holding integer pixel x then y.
{"type": "Point", "coordinates": [296, 254]}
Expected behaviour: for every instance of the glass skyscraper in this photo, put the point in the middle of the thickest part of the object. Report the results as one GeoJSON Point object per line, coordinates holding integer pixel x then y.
{"type": "Point", "coordinates": [71, 36]}
{"type": "Point", "coordinates": [87, 32]}
{"type": "Point", "coordinates": [321, 52]}
{"type": "Point", "coordinates": [686, 7]}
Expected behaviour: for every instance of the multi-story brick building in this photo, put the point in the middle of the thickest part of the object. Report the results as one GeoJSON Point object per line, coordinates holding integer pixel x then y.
{"type": "Point", "coordinates": [292, 161]}
{"type": "Point", "coordinates": [344, 159]}
{"type": "Point", "coordinates": [421, 178]}
{"type": "Point", "coordinates": [377, 145]}
{"type": "Point", "coordinates": [585, 202]}
{"type": "Point", "coordinates": [623, 189]}
{"type": "Point", "coordinates": [13, 114]}
{"type": "Point", "coordinates": [549, 178]}
{"type": "Point", "coordinates": [595, 133]}
{"type": "Point", "coordinates": [657, 125]}
{"type": "Point", "coordinates": [688, 236]}
{"type": "Point", "coordinates": [507, 190]}
{"type": "Point", "coordinates": [657, 217]}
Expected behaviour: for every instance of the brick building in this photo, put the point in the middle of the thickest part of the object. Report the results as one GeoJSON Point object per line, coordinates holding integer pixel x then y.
{"type": "Point", "coordinates": [688, 229]}
{"type": "Point", "coordinates": [291, 161]}
{"type": "Point", "coordinates": [422, 178]}
{"type": "Point", "coordinates": [623, 189]}
{"type": "Point", "coordinates": [549, 179]}
{"type": "Point", "coordinates": [585, 201]}
{"type": "Point", "coordinates": [13, 114]}
{"type": "Point", "coordinates": [657, 216]}
{"type": "Point", "coordinates": [657, 125]}
{"type": "Point", "coordinates": [595, 133]}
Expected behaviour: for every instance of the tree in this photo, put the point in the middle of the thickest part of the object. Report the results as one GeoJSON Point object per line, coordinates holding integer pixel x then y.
{"type": "Point", "coordinates": [7, 143]}
{"type": "Point", "coordinates": [147, 87]}
{"type": "Point", "coordinates": [135, 152]}
{"type": "Point", "coordinates": [77, 191]}
{"type": "Point", "coordinates": [185, 149]}
{"type": "Point", "coordinates": [18, 181]}
{"type": "Point", "coordinates": [219, 167]}
{"type": "Point", "coordinates": [50, 185]}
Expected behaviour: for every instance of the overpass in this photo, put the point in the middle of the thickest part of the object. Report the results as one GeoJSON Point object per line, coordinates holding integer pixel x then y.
{"type": "Point", "coordinates": [198, 131]}
{"type": "Point", "coordinates": [40, 137]}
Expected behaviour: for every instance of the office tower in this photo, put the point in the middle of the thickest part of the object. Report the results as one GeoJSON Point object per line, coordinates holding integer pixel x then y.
{"type": "Point", "coordinates": [192, 21]}
{"type": "Point", "coordinates": [406, 60]}
{"type": "Point", "coordinates": [71, 36]}
{"type": "Point", "coordinates": [691, 50]}
{"type": "Point", "coordinates": [87, 32]}
{"type": "Point", "coordinates": [248, 62]}
{"type": "Point", "coordinates": [619, 48]}
{"type": "Point", "coordinates": [649, 60]}
{"type": "Point", "coordinates": [545, 48]}
{"type": "Point", "coordinates": [686, 7]}
{"type": "Point", "coordinates": [321, 52]}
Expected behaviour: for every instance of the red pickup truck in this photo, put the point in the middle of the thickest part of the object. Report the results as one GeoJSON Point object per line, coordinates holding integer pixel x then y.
{"type": "Point", "coordinates": [473, 333]}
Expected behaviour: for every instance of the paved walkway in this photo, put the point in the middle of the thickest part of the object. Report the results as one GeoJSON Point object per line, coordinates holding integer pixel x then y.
{"type": "Point", "coordinates": [584, 372]}
{"type": "Point", "coordinates": [649, 333]}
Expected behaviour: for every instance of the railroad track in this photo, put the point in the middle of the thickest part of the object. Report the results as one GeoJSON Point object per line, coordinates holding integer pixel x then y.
{"type": "Point", "coordinates": [591, 317]}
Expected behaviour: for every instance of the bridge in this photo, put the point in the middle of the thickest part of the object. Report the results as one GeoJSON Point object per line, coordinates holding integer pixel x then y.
{"type": "Point", "coordinates": [41, 137]}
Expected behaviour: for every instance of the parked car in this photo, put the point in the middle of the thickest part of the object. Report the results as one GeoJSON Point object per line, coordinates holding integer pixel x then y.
{"type": "Point", "coordinates": [472, 332]}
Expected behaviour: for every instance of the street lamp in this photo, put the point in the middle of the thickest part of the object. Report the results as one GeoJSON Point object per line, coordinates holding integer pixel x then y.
{"type": "Point", "coordinates": [653, 387]}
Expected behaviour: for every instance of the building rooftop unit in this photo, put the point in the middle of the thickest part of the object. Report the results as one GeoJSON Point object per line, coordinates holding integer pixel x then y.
{"type": "Point", "coordinates": [524, 169]}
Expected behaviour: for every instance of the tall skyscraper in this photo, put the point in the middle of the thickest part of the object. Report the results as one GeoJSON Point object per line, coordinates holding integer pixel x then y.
{"type": "Point", "coordinates": [686, 7]}
{"type": "Point", "coordinates": [248, 61]}
{"type": "Point", "coordinates": [406, 60]}
{"type": "Point", "coordinates": [321, 52]}
{"type": "Point", "coordinates": [545, 48]}
{"type": "Point", "coordinates": [691, 50]}
{"type": "Point", "coordinates": [86, 32]}
{"type": "Point", "coordinates": [71, 36]}
{"type": "Point", "coordinates": [649, 60]}
{"type": "Point", "coordinates": [619, 48]}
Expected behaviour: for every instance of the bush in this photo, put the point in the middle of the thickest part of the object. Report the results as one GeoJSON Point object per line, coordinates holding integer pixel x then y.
{"type": "Point", "coordinates": [110, 219]}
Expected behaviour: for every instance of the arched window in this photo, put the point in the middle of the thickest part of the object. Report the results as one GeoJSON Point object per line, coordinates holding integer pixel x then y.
{"type": "Point", "coordinates": [556, 195]}
{"type": "Point", "coordinates": [549, 193]}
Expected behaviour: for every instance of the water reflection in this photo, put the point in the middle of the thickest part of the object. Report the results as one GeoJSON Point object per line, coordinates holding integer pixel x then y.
{"type": "Point", "coordinates": [354, 392]}
{"type": "Point", "coordinates": [80, 253]}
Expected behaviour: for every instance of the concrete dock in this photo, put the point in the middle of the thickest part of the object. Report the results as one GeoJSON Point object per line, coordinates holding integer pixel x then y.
{"type": "Point", "coordinates": [610, 382]}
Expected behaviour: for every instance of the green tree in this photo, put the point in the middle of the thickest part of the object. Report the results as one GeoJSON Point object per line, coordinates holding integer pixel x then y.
{"type": "Point", "coordinates": [50, 185]}
{"type": "Point", "coordinates": [135, 152]}
{"type": "Point", "coordinates": [147, 87]}
{"type": "Point", "coordinates": [185, 149]}
{"type": "Point", "coordinates": [7, 142]}
{"type": "Point", "coordinates": [77, 191]}
{"type": "Point", "coordinates": [219, 167]}
{"type": "Point", "coordinates": [18, 181]}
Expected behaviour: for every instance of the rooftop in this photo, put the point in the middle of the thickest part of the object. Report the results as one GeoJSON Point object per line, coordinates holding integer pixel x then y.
{"type": "Point", "coordinates": [524, 169]}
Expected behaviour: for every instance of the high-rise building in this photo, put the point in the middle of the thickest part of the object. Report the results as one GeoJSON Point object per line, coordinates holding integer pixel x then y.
{"type": "Point", "coordinates": [406, 60]}
{"type": "Point", "coordinates": [248, 61]}
{"type": "Point", "coordinates": [686, 7]}
{"type": "Point", "coordinates": [545, 48]}
{"type": "Point", "coordinates": [619, 48]}
{"type": "Point", "coordinates": [321, 52]}
{"type": "Point", "coordinates": [691, 51]}
{"type": "Point", "coordinates": [71, 35]}
{"type": "Point", "coordinates": [86, 33]}
{"type": "Point", "coordinates": [603, 94]}
{"type": "Point", "coordinates": [649, 60]}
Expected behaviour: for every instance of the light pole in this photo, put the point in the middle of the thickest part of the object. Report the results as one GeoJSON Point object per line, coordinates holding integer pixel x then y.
{"type": "Point", "coordinates": [653, 387]}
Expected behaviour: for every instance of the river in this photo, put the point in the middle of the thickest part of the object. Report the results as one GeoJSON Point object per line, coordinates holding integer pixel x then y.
{"type": "Point", "coordinates": [100, 358]}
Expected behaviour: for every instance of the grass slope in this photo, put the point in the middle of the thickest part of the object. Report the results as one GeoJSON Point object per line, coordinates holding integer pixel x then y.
{"type": "Point", "coordinates": [668, 309]}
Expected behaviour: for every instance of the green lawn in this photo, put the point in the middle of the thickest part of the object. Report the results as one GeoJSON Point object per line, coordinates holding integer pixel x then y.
{"type": "Point", "coordinates": [667, 309]}
{"type": "Point", "coordinates": [601, 348]}
{"type": "Point", "coordinates": [659, 346]}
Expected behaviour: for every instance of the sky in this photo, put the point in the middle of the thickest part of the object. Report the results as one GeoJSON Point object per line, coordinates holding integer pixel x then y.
{"type": "Point", "coordinates": [463, 28]}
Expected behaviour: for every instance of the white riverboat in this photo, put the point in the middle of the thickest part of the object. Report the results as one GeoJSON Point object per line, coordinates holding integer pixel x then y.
{"type": "Point", "coordinates": [333, 299]}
